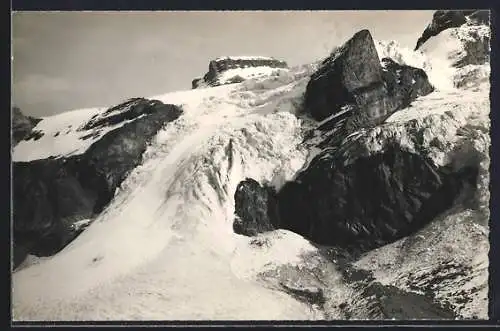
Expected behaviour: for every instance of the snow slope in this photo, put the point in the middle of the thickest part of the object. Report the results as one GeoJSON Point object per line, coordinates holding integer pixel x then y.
{"type": "Point", "coordinates": [61, 136]}
{"type": "Point", "coordinates": [439, 56]}
{"type": "Point", "coordinates": [164, 248]}
{"type": "Point", "coordinates": [174, 213]}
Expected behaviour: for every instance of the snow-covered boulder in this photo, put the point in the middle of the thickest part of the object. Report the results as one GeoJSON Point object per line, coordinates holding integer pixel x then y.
{"type": "Point", "coordinates": [236, 69]}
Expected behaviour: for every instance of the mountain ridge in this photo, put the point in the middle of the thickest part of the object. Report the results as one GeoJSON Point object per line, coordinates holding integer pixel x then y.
{"type": "Point", "coordinates": [186, 219]}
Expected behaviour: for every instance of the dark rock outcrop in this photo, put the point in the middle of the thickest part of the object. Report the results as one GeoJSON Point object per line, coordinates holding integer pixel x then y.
{"type": "Point", "coordinates": [22, 126]}
{"type": "Point", "coordinates": [107, 162]}
{"type": "Point", "coordinates": [353, 67]}
{"type": "Point", "coordinates": [353, 77]}
{"type": "Point", "coordinates": [446, 19]}
{"type": "Point", "coordinates": [478, 17]}
{"type": "Point", "coordinates": [405, 83]}
{"type": "Point", "coordinates": [195, 83]}
{"type": "Point", "coordinates": [367, 202]}
{"type": "Point", "coordinates": [126, 111]}
{"type": "Point", "coordinates": [476, 50]}
{"type": "Point", "coordinates": [255, 206]}
{"type": "Point", "coordinates": [311, 295]}
{"type": "Point", "coordinates": [220, 65]}
{"type": "Point", "coordinates": [50, 195]}
{"type": "Point", "coordinates": [355, 203]}
{"type": "Point", "coordinates": [374, 300]}
{"type": "Point", "coordinates": [47, 199]}
{"type": "Point", "coordinates": [316, 282]}
{"type": "Point", "coordinates": [441, 20]}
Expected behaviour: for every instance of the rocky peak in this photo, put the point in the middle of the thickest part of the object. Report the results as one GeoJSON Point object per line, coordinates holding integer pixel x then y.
{"type": "Point", "coordinates": [225, 63]}
{"type": "Point", "coordinates": [235, 69]}
{"type": "Point", "coordinates": [353, 77]}
{"type": "Point", "coordinates": [446, 19]}
{"type": "Point", "coordinates": [22, 125]}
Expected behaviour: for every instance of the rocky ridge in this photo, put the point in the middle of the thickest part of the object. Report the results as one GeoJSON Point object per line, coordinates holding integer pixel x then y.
{"type": "Point", "coordinates": [230, 70]}
{"type": "Point", "coordinates": [446, 19]}
{"type": "Point", "coordinates": [51, 196]}
{"type": "Point", "coordinates": [418, 172]}
{"type": "Point", "coordinates": [22, 126]}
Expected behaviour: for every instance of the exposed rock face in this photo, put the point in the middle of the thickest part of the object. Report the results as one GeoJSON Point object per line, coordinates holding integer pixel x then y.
{"type": "Point", "coordinates": [312, 295]}
{"type": "Point", "coordinates": [478, 16]}
{"type": "Point", "coordinates": [476, 48]}
{"type": "Point", "coordinates": [442, 20]}
{"type": "Point", "coordinates": [354, 202]}
{"type": "Point", "coordinates": [107, 162]}
{"type": "Point", "coordinates": [471, 77]}
{"type": "Point", "coordinates": [22, 126]}
{"type": "Point", "coordinates": [330, 281]}
{"type": "Point", "coordinates": [50, 195]}
{"type": "Point", "coordinates": [446, 19]}
{"type": "Point", "coordinates": [405, 83]}
{"type": "Point", "coordinates": [48, 198]}
{"type": "Point", "coordinates": [353, 67]}
{"type": "Point", "coordinates": [353, 77]}
{"type": "Point", "coordinates": [195, 83]}
{"type": "Point", "coordinates": [255, 206]}
{"type": "Point", "coordinates": [374, 300]}
{"type": "Point", "coordinates": [446, 261]}
{"type": "Point", "coordinates": [221, 65]}
{"type": "Point", "coordinates": [367, 202]}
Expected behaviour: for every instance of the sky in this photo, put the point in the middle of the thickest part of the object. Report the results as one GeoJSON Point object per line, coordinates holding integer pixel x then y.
{"type": "Point", "coordinates": [69, 60]}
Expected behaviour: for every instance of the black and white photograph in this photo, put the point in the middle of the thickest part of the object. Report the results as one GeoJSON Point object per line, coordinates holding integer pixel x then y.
{"type": "Point", "coordinates": [250, 165]}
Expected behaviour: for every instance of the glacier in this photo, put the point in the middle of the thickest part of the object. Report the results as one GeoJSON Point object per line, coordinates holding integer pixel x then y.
{"type": "Point", "coordinates": [164, 248]}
